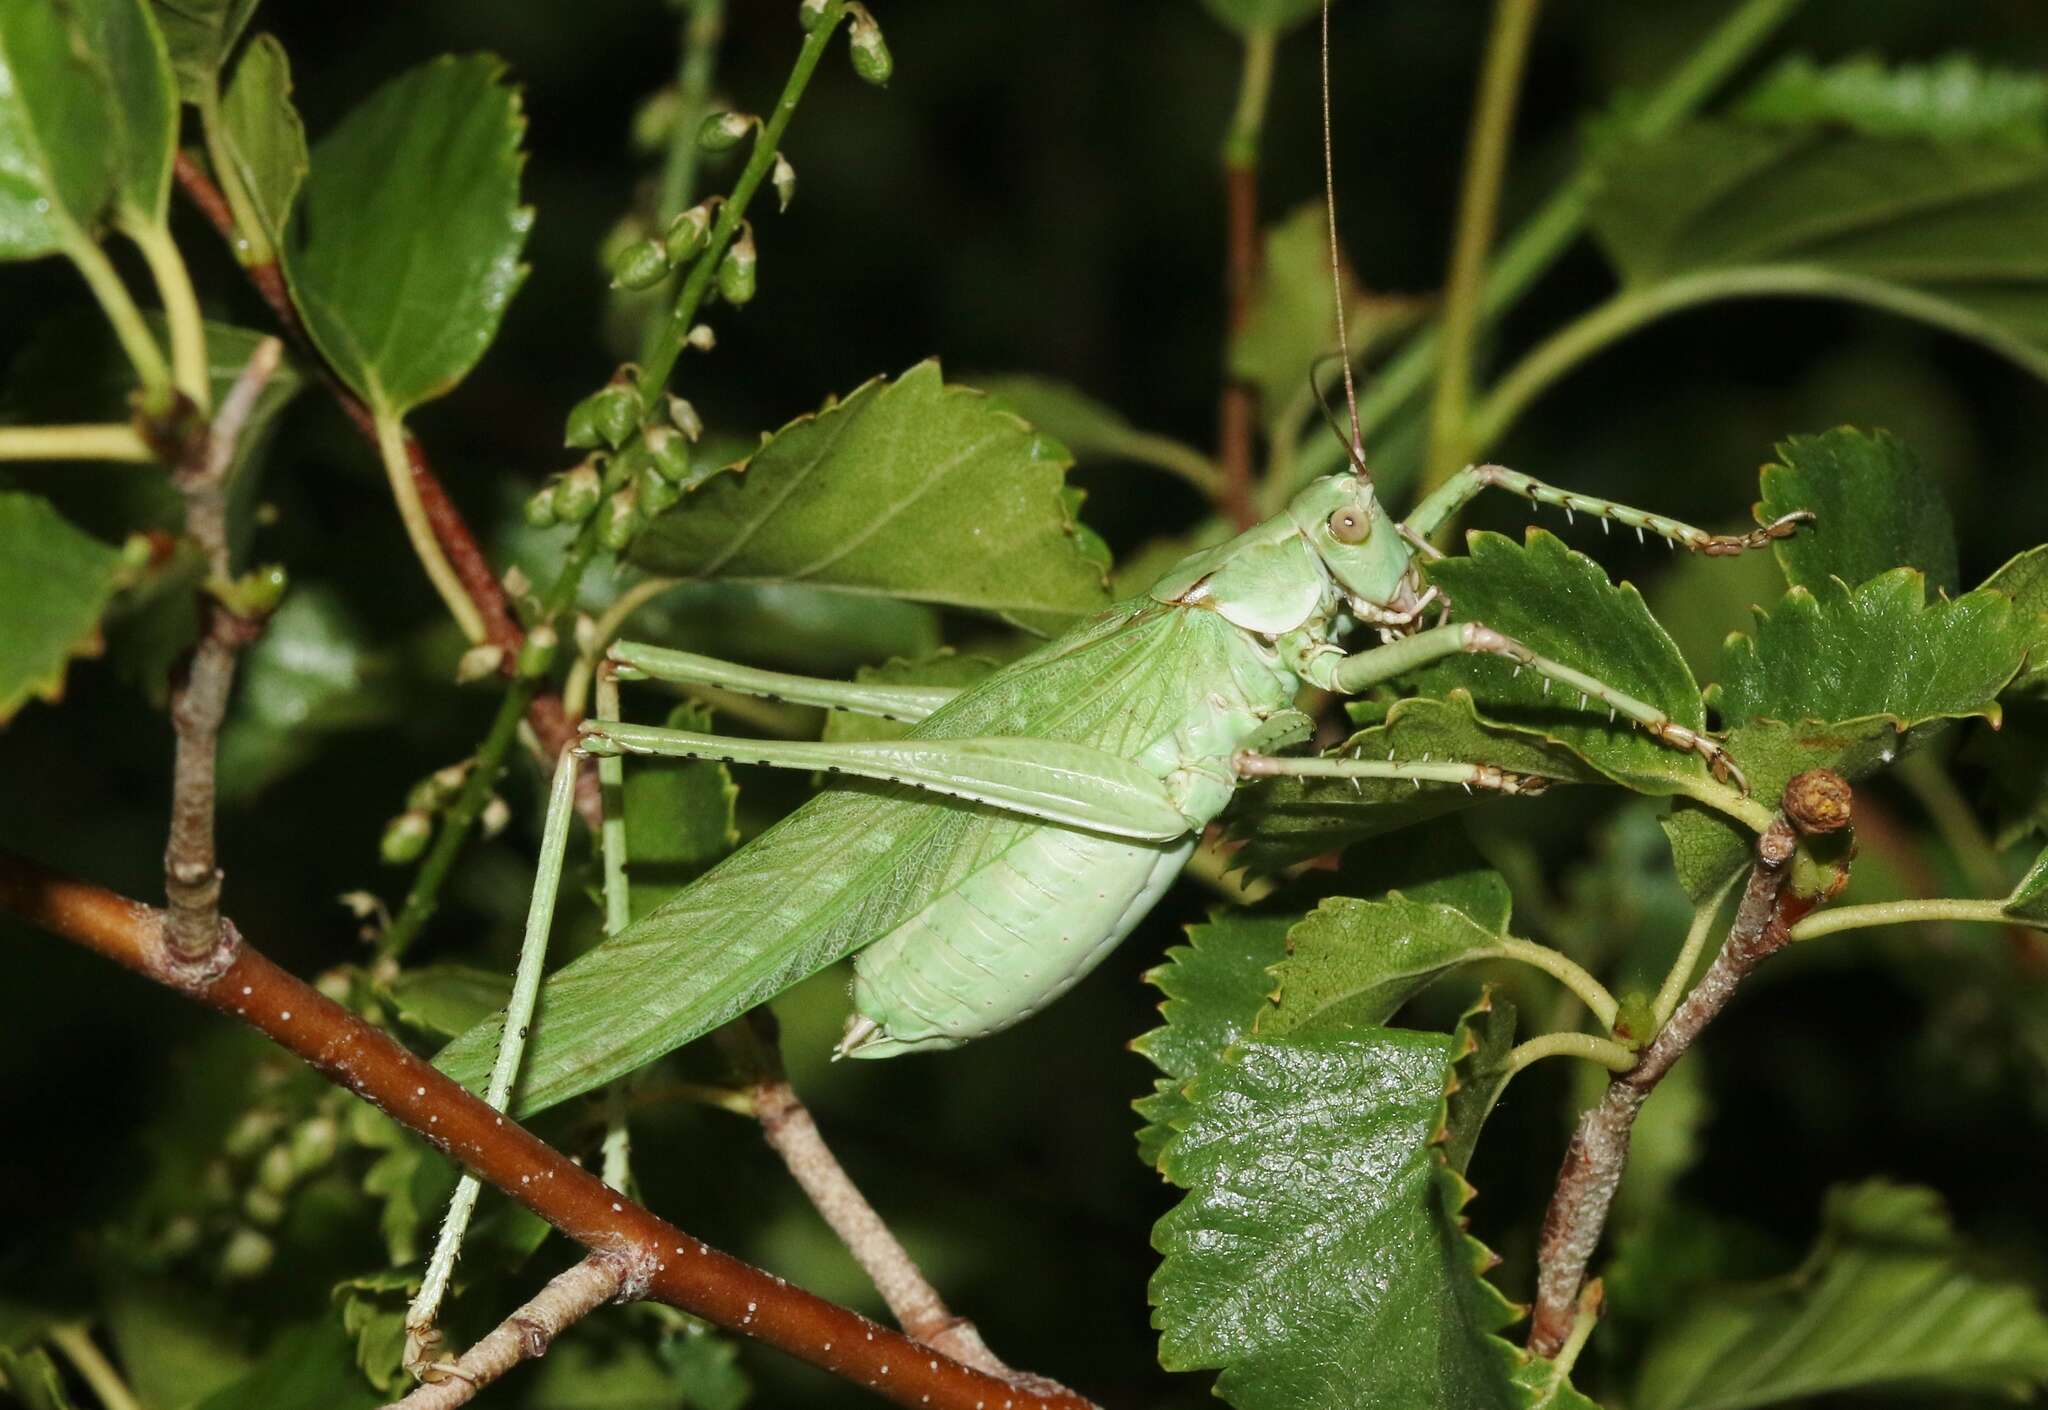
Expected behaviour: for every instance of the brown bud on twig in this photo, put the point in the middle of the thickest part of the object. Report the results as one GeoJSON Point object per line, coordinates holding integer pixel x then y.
{"type": "Point", "coordinates": [1818, 801]}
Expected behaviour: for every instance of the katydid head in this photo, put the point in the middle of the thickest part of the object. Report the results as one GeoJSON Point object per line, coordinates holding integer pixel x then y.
{"type": "Point", "coordinates": [1357, 540]}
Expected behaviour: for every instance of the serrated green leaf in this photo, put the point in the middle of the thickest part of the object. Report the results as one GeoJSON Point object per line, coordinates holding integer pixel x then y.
{"type": "Point", "coordinates": [1215, 986]}
{"type": "Point", "coordinates": [262, 136]}
{"type": "Point", "coordinates": [2025, 579]}
{"type": "Point", "coordinates": [311, 1367]}
{"type": "Point", "coordinates": [57, 582]}
{"type": "Point", "coordinates": [1560, 604]}
{"type": "Point", "coordinates": [403, 307]}
{"type": "Point", "coordinates": [1875, 510]}
{"type": "Point", "coordinates": [1953, 99]}
{"type": "Point", "coordinates": [56, 137]}
{"type": "Point", "coordinates": [679, 820]}
{"type": "Point", "coordinates": [2029, 900]}
{"type": "Point", "coordinates": [1351, 963]}
{"type": "Point", "coordinates": [943, 667]}
{"type": "Point", "coordinates": [312, 674]}
{"type": "Point", "coordinates": [1283, 821]}
{"type": "Point", "coordinates": [908, 489]}
{"type": "Point", "coordinates": [1434, 863]}
{"type": "Point", "coordinates": [1316, 1261]}
{"type": "Point", "coordinates": [1880, 650]}
{"type": "Point", "coordinates": [1479, 1049]}
{"type": "Point", "coordinates": [448, 999]}
{"type": "Point", "coordinates": [1920, 227]}
{"type": "Point", "coordinates": [31, 1377]}
{"type": "Point", "coordinates": [1255, 16]}
{"type": "Point", "coordinates": [122, 36]}
{"type": "Point", "coordinates": [1888, 1300]}
{"type": "Point", "coordinates": [199, 35]}
{"type": "Point", "coordinates": [373, 1312]}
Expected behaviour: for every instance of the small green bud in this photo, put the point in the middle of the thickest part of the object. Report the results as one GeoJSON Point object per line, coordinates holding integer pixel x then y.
{"type": "Point", "coordinates": [261, 1206]}
{"type": "Point", "coordinates": [256, 594]}
{"type": "Point", "coordinates": [722, 132]}
{"type": "Point", "coordinates": [688, 234]}
{"type": "Point", "coordinates": [538, 653]}
{"type": "Point", "coordinates": [336, 984]}
{"type": "Point", "coordinates": [620, 520]}
{"type": "Point", "coordinates": [810, 13]}
{"type": "Point", "coordinates": [251, 1132]}
{"type": "Point", "coordinates": [604, 418]}
{"type": "Point", "coordinates": [496, 814]}
{"type": "Point", "coordinates": [655, 492]}
{"type": "Point", "coordinates": [540, 507]}
{"type": "Point", "coordinates": [406, 837]}
{"type": "Point", "coordinates": [784, 181]}
{"type": "Point", "coordinates": [641, 265]}
{"type": "Point", "coordinates": [685, 418]}
{"type": "Point", "coordinates": [703, 337]}
{"type": "Point", "coordinates": [655, 119]}
{"type": "Point", "coordinates": [179, 1237]}
{"type": "Point", "coordinates": [736, 272]}
{"type": "Point", "coordinates": [1635, 1022]}
{"type": "Point", "coordinates": [630, 463]}
{"type": "Point", "coordinates": [247, 1255]}
{"type": "Point", "coordinates": [871, 59]}
{"type": "Point", "coordinates": [670, 452]}
{"type": "Point", "coordinates": [480, 662]}
{"type": "Point", "coordinates": [576, 494]}
{"type": "Point", "coordinates": [313, 1144]}
{"type": "Point", "coordinates": [275, 1172]}
{"type": "Point", "coordinates": [217, 1183]}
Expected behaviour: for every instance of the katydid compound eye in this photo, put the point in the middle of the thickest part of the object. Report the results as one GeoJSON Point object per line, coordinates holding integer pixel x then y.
{"type": "Point", "coordinates": [1350, 526]}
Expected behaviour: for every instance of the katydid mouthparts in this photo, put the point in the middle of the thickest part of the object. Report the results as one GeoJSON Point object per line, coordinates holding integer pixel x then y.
{"type": "Point", "coordinates": [978, 867]}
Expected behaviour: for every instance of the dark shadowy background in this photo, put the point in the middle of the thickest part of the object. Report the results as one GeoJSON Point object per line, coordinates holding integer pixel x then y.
{"type": "Point", "coordinates": [1038, 191]}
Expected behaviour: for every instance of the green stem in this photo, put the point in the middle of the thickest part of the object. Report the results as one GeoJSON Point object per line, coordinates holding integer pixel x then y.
{"type": "Point", "coordinates": [1255, 88]}
{"type": "Point", "coordinates": [126, 318]}
{"type": "Point", "coordinates": [93, 1367]}
{"type": "Point", "coordinates": [109, 442]}
{"type": "Point", "coordinates": [251, 246]}
{"type": "Point", "coordinates": [701, 33]}
{"type": "Point", "coordinates": [423, 898]}
{"type": "Point", "coordinates": [1902, 913]}
{"type": "Point", "coordinates": [1500, 82]}
{"type": "Point", "coordinates": [420, 532]}
{"type": "Point", "coordinates": [1558, 966]}
{"type": "Point", "coordinates": [1609, 1054]}
{"type": "Point", "coordinates": [1545, 236]}
{"type": "Point", "coordinates": [667, 344]}
{"type": "Point", "coordinates": [1170, 455]}
{"type": "Point", "coordinates": [181, 310]}
{"type": "Point", "coordinates": [1680, 973]}
{"type": "Point", "coordinates": [1950, 813]}
{"type": "Point", "coordinates": [577, 691]}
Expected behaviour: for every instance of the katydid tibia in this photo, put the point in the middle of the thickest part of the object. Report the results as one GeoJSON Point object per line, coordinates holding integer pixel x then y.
{"type": "Point", "coordinates": [981, 865]}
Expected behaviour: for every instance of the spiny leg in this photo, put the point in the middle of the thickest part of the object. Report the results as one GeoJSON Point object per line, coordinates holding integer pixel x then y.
{"type": "Point", "coordinates": [1463, 487]}
{"type": "Point", "coordinates": [421, 1335]}
{"type": "Point", "coordinates": [1489, 776]}
{"type": "Point", "coordinates": [1348, 675]}
{"type": "Point", "coordinates": [906, 703]}
{"type": "Point", "coordinates": [1073, 785]}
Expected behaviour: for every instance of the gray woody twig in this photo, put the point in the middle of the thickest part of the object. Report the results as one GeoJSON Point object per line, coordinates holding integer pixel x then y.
{"type": "Point", "coordinates": [524, 1336]}
{"type": "Point", "coordinates": [192, 924]}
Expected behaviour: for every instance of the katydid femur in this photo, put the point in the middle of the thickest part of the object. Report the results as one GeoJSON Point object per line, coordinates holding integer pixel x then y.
{"type": "Point", "coordinates": [981, 865]}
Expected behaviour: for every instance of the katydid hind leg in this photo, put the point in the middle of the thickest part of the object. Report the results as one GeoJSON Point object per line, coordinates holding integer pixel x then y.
{"type": "Point", "coordinates": [906, 704]}
{"type": "Point", "coordinates": [1462, 488]}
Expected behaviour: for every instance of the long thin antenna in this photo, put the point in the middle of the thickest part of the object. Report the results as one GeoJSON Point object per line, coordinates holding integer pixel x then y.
{"type": "Point", "coordinates": [1336, 265]}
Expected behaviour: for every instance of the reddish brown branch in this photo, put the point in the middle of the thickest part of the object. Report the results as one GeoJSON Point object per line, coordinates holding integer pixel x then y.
{"type": "Point", "coordinates": [1598, 1153]}
{"type": "Point", "coordinates": [1239, 404]}
{"type": "Point", "coordinates": [662, 1261]}
{"type": "Point", "coordinates": [451, 530]}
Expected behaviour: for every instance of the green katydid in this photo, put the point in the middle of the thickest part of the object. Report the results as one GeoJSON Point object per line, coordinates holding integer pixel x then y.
{"type": "Point", "coordinates": [981, 865]}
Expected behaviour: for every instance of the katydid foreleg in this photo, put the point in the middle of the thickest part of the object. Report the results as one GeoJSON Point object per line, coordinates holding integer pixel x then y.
{"type": "Point", "coordinates": [1348, 675]}
{"type": "Point", "coordinates": [1458, 491]}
